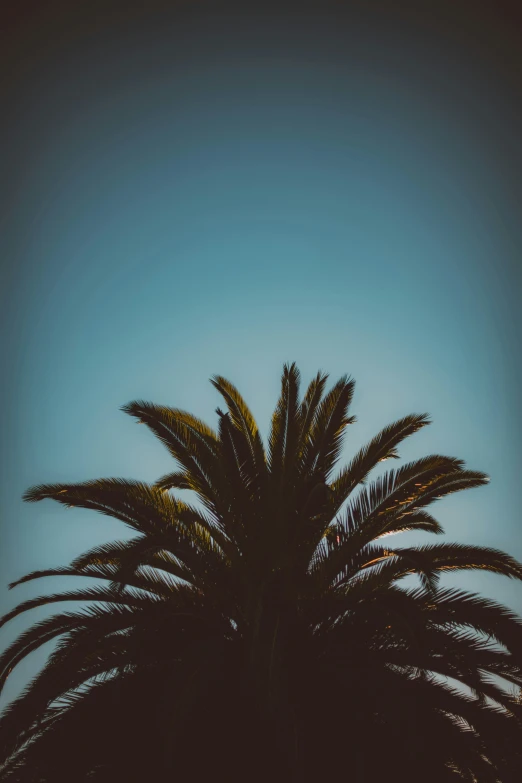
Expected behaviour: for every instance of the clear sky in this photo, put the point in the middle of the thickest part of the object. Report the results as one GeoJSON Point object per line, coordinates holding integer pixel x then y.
{"type": "Point", "coordinates": [228, 194]}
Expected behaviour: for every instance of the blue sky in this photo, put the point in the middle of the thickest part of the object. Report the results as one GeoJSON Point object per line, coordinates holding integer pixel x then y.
{"type": "Point", "coordinates": [192, 216]}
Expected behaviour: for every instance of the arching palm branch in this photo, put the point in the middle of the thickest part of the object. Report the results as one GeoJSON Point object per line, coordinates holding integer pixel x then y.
{"type": "Point", "coordinates": [265, 630]}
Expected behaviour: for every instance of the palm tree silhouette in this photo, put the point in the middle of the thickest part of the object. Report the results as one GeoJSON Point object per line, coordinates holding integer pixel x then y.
{"type": "Point", "coordinates": [266, 630]}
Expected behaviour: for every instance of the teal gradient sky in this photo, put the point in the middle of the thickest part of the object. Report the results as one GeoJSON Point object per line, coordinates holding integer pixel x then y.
{"type": "Point", "coordinates": [236, 195]}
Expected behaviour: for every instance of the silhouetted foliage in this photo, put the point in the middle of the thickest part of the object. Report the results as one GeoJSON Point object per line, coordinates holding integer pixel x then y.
{"type": "Point", "coordinates": [265, 631]}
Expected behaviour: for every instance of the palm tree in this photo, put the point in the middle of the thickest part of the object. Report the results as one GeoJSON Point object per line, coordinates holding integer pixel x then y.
{"type": "Point", "coordinates": [266, 630]}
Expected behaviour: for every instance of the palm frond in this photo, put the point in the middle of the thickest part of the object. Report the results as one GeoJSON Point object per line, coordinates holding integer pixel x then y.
{"type": "Point", "coordinates": [102, 571]}
{"type": "Point", "coordinates": [322, 446]}
{"type": "Point", "coordinates": [243, 421]}
{"type": "Point", "coordinates": [282, 439]}
{"type": "Point", "coordinates": [382, 447]}
{"type": "Point", "coordinates": [98, 595]}
{"type": "Point", "coordinates": [192, 444]}
{"type": "Point", "coordinates": [139, 505]}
